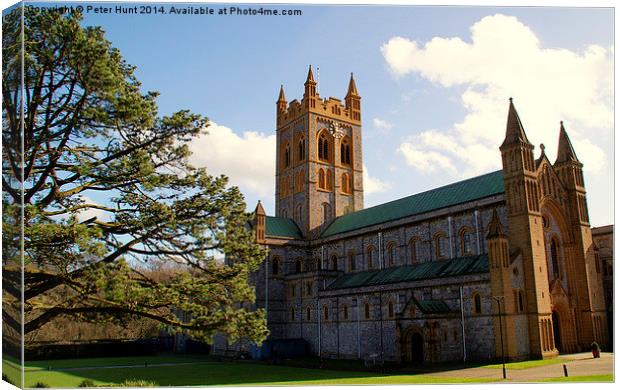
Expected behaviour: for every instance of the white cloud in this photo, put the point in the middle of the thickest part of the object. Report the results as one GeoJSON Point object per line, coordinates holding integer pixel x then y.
{"type": "Point", "coordinates": [372, 184]}
{"type": "Point", "coordinates": [425, 161]}
{"type": "Point", "coordinates": [505, 58]}
{"type": "Point", "coordinates": [381, 124]}
{"type": "Point", "coordinates": [88, 213]}
{"type": "Point", "coordinates": [248, 159]}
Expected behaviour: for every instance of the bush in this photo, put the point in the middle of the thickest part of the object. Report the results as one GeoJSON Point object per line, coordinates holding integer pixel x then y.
{"type": "Point", "coordinates": [87, 383]}
{"type": "Point", "coordinates": [137, 383]}
{"type": "Point", "coordinates": [41, 385]}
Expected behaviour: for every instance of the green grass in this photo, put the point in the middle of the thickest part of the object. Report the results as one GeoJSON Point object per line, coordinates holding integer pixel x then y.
{"type": "Point", "coordinates": [528, 364]}
{"type": "Point", "coordinates": [12, 370]}
{"type": "Point", "coordinates": [209, 374]}
{"type": "Point", "coordinates": [583, 378]}
{"type": "Point", "coordinates": [115, 361]}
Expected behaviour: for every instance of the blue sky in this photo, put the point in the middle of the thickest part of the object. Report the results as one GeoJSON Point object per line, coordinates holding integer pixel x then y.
{"type": "Point", "coordinates": [418, 97]}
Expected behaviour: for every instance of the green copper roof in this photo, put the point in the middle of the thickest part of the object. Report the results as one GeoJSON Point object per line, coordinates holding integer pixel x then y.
{"type": "Point", "coordinates": [433, 306]}
{"type": "Point", "coordinates": [281, 227]}
{"type": "Point", "coordinates": [464, 191]}
{"type": "Point", "coordinates": [408, 273]}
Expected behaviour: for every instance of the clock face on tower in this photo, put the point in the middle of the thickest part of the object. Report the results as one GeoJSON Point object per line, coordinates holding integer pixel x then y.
{"type": "Point", "coordinates": [336, 130]}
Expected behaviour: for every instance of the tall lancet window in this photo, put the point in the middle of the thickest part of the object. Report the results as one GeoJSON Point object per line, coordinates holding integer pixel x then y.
{"type": "Point", "coordinates": [345, 152]}
{"type": "Point", "coordinates": [554, 258]}
{"type": "Point", "coordinates": [323, 147]}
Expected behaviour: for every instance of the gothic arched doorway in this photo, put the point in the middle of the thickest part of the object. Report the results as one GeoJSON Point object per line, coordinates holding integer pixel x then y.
{"type": "Point", "coordinates": [416, 346]}
{"type": "Point", "coordinates": [556, 330]}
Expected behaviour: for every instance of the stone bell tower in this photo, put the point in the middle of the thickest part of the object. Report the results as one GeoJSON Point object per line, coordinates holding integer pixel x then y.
{"type": "Point", "coordinates": [525, 231]}
{"type": "Point", "coordinates": [319, 157]}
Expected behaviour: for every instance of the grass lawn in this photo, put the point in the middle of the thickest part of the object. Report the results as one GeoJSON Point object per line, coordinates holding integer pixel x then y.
{"type": "Point", "coordinates": [204, 374]}
{"type": "Point", "coordinates": [584, 378]}
{"type": "Point", "coordinates": [528, 364]}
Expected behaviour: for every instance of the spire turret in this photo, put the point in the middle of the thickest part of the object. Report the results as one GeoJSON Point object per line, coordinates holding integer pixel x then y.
{"type": "Point", "coordinates": [310, 90]}
{"type": "Point", "coordinates": [352, 91]}
{"type": "Point", "coordinates": [495, 226]}
{"type": "Point", "coordinates": [310, 78]}
{"type": "Point", "coordinates": [259, 223]}
{"type": "Point", "coordinates": [514, 129]}
{"type": "Point", "coordinates": [281, 97]}
{"type": "Point", "coordinates": [352, 101]}
{"type": "Point", "coordinates": [565, 147]}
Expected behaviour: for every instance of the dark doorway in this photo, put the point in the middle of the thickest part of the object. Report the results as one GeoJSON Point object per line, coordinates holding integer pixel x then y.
{"type": "Point", "coordinates": [417, 348]}
{"type": "Point", "coordinates": [556, 330]}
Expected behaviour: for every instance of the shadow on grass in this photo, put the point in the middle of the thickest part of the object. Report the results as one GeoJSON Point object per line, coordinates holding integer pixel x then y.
{"type": "Point", "coordinates": [218, 374]}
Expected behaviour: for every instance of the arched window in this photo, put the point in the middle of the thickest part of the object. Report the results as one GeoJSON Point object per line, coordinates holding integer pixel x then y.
{"type": "Point", "coordinates": [334, 262]}
{"type": "Point", "coordinates": [292, 314]}
{"type": "Point", "coordinates": [466, 241]}
{"type": "Point", "coordinates": [477, 303]}
{"type": "Point", "coordinates": [328, 180]}
{"type": "Point", "coordinates": [370, 253]}
{"type": "Point", "coordinates": [520, 298]}
{"type": "Point", "coordinates": [284, 187]}
{"type": "Point", "coordinates": [345, 183]}
{"type": "Point", "coordinates": [308, 312]}
{"type": "Point", "coordinates": [287, 155]}
{"type": "Point", "coordinates": [299, 183]}
{"type": "Point", "coordinates": [345, 151]}
{"type": "Point", "coordinates": [554, 258]}
{"type": "Point", "coordinates": [352, 261]}
{"type": "Point", "coordinates": [390, 309]}
{"type": "Point", "coordinates": [275, 266]}
{"type": "Point", "coordinates": [441, 245]}
{"type": "Point", "coordinates": [345, 312]}
{"type": "Point", "coordinates": [323, 147]}
{"type": "Point", "coordinates": [298, 213]}
{"type": "Point", "coordinates": [301, 149]}
{"type": "Point", "coordinates": [321, 179]}
{"type": "Point", "coordinates": [325, 313]}
{"type": "Point", "coordinates": [366, 310]}
{"type": "Point", "coordinates": [327, 212]}
{"type": "Point", "coordinates": [308, 288]}
{"type": "Point", "coordinates": [391, 252]}
{"type": "Point", "coordinates": [413, 250]}
{"type": "Point", "coordinates": [298, 265]}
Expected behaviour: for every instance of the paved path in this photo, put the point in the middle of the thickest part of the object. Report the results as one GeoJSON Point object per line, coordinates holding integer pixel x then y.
{"type": "Point", "coordinates": [577, 365]}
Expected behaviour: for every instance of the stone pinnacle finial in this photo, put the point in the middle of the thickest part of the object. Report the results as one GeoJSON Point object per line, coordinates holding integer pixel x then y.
{"type": "Point", "coordinates": [514, 129]}
{"type": "Point", "coordinates": [310, 78]}
{"type": "Point", "coordinates": [565, 147]}
{"type": "Point", "coordinates": [352, 91]}
{"type": "Point", "coordinates": [281, 97]}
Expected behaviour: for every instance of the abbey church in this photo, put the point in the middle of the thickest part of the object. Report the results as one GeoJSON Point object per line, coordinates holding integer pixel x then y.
{"type": "Point", "coordinates": [443, 275]}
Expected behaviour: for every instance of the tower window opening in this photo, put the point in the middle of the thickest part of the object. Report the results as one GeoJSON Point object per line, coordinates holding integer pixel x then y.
{"type": "Point", "coordinates": [301, 152]}
{"type": "Point", "coordinates": [477, 304]}
{"type": "Point", "coordinates": [345, 152]}
{"type": "Point", "coordinates": [554, 258]}
{"type": "Point", "coordinates": [323, 147]}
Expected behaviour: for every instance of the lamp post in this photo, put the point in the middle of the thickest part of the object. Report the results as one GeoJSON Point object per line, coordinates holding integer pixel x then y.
{"type": "Point", "coordinates": [501, 332]}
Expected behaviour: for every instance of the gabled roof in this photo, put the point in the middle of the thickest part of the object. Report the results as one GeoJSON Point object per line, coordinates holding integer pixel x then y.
{"type": "Point", "coordinates": [408, 273]}
{"type": "Point", "coordinates": [281, 228]}
{"type": "Point", "coordinates": [461, 192]}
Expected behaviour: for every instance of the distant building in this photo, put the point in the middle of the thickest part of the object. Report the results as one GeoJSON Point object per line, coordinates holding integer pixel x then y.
{"type": "Point", "coordinates": [418, 279]}
{"type": "Point", "coordinates": [604, 239]}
